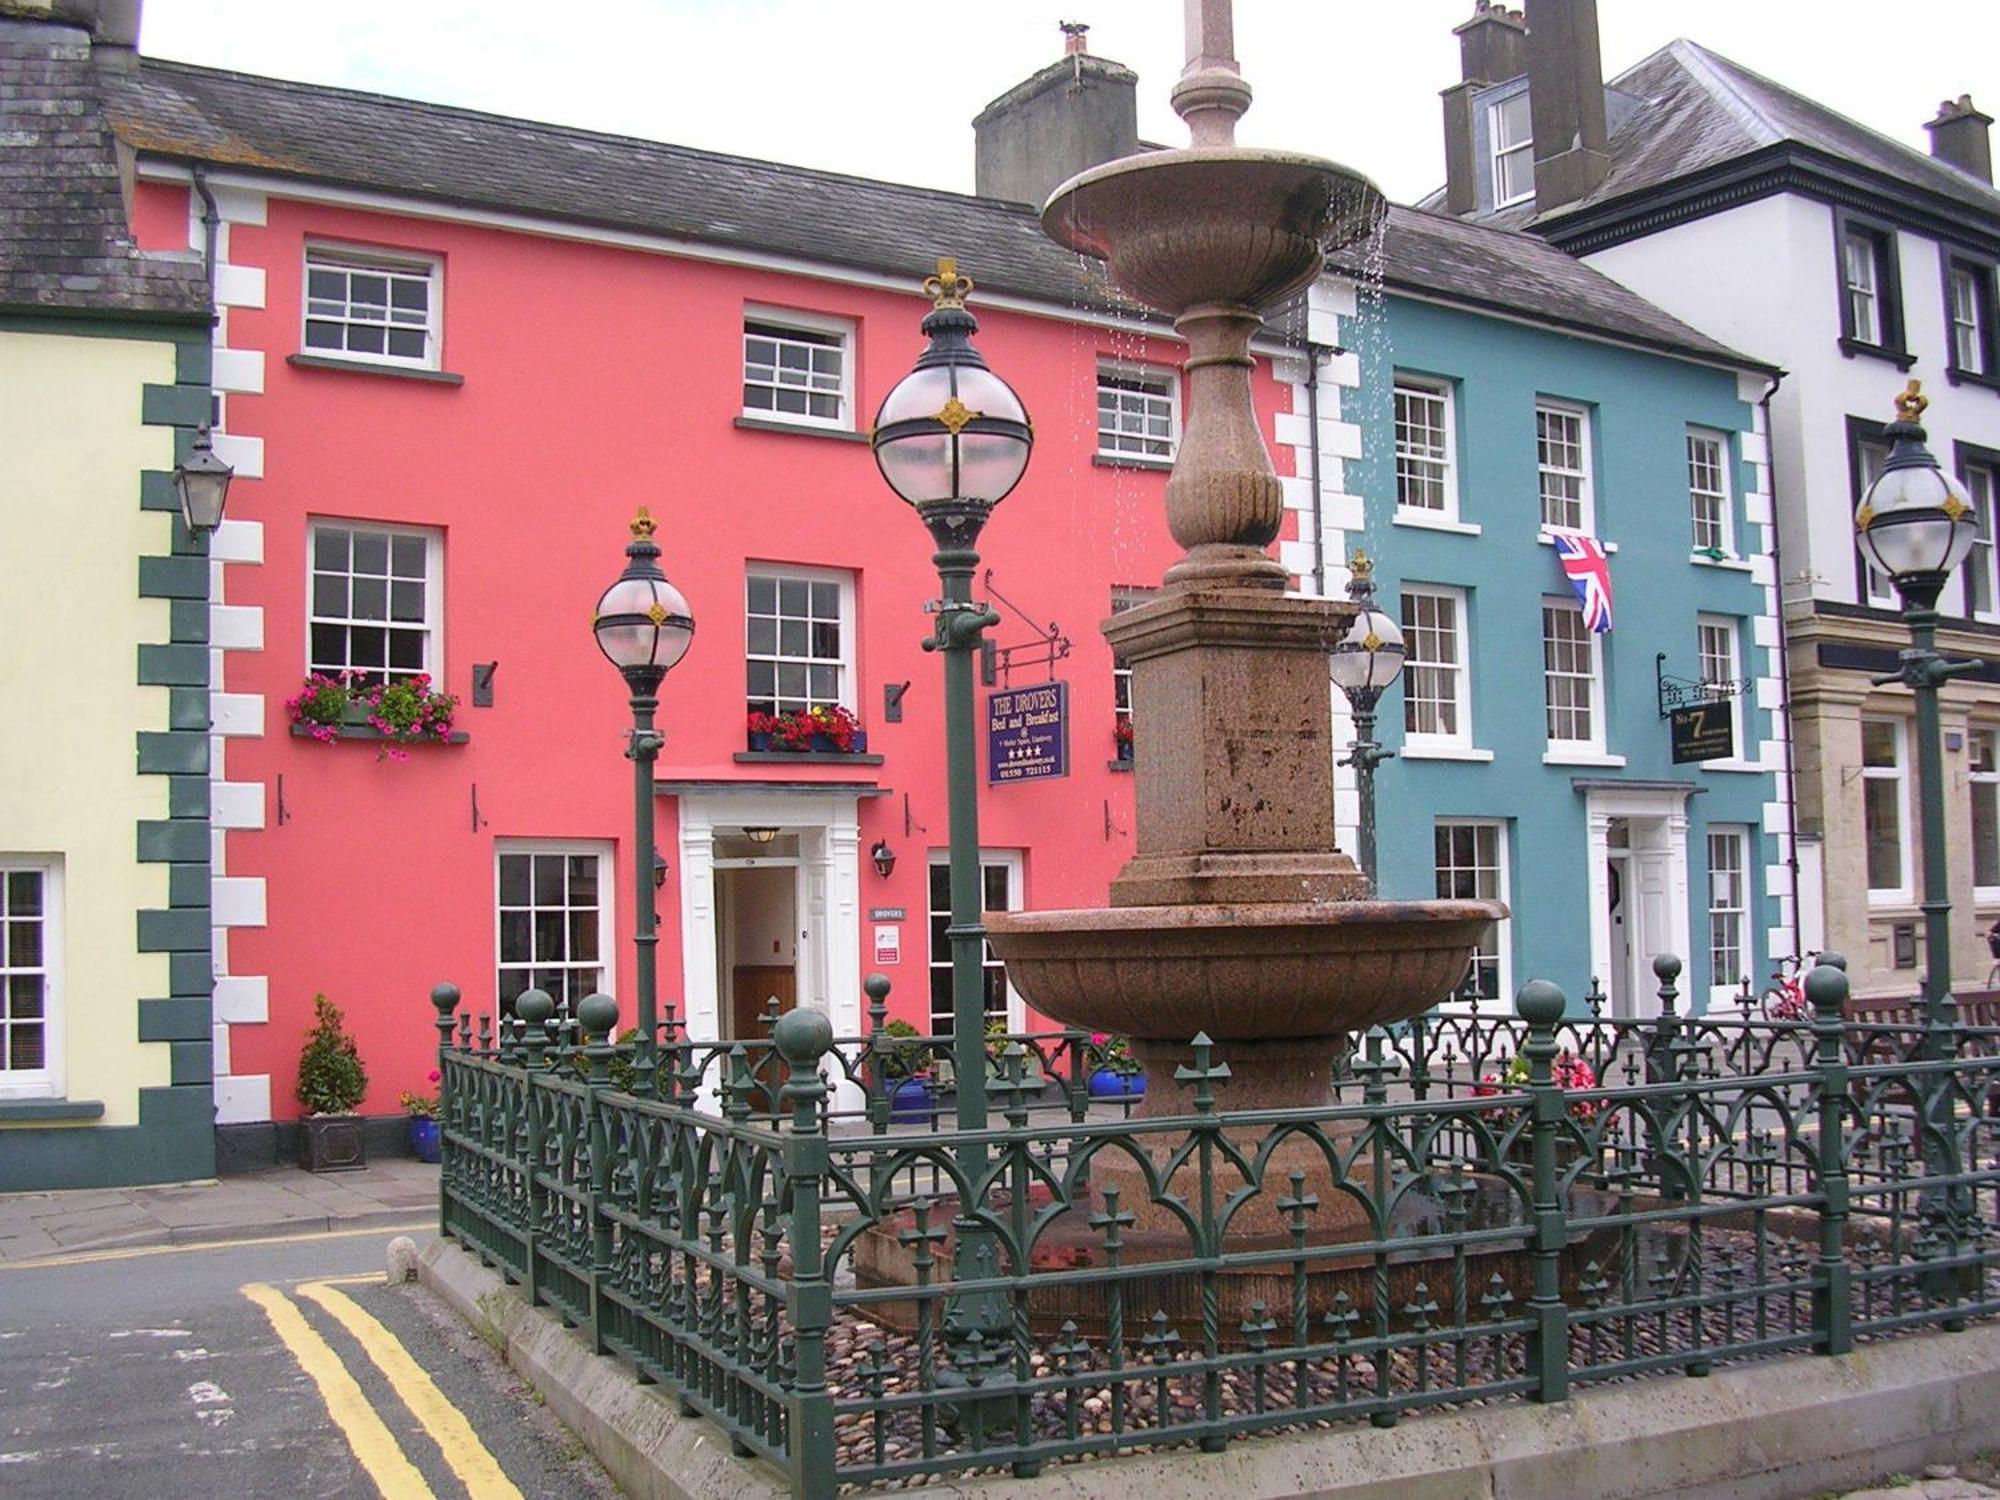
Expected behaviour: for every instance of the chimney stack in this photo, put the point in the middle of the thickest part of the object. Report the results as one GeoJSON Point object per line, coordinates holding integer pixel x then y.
{"type": "Point", "coordinates": [1566, 98]}
{"type": "Point", "coordinates": [1492, 48]}
{"type": "Point", "coordinates": [1078, 112]}
{"type": "Point", "coordinates": [1959, 136]}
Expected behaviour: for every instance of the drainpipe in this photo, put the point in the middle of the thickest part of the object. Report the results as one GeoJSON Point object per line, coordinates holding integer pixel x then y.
{"type": "Point", "coordinates": [1784, 659]}
{"type": "Point", "coordinates": [211, 226]}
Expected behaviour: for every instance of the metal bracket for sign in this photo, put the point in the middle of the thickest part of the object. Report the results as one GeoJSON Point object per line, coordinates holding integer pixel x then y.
{"type": "Point", "coordinates": [996, 663]}
{"type": "Point", "coordinates": [1678, 692]}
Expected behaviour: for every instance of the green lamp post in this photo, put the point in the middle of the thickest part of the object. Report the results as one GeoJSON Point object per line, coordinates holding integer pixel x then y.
{"type": "Point", "coordinates": [1366, 662]}
{"type": "Point", "coordinates": [643, 627]}
{"type": "Point", "coordinates": [1916, 524]}
{"type": "Point", "coordinates": [953, 440]}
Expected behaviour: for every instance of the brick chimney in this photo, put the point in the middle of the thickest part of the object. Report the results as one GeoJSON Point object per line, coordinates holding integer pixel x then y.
{"type": "Point", "coordinates": [1076, 113]}
{"type": "Point", "coordinates": [111, 23]}
{"type": "Point", "coordinates": [1492, 48]}
{"type": "Point", "coordinates": [1958, 136]}
{"type": "Point", "coordinates": [1566, 98]}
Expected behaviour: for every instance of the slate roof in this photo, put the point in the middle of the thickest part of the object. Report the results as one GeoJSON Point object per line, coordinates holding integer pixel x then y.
{"type": "Point", "coordinates": [65, 242]}
{"type": "Point", "coordinates": [471, 159]}
{"type": "Point", "coordinates": [1702, 109]}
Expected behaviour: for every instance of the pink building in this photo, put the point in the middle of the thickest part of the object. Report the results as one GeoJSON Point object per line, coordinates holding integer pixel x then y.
{"type": "Point", "coordinates": [457, 353]}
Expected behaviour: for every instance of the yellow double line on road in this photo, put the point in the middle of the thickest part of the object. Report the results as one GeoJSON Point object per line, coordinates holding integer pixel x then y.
{"type": "Point", "coordinates": [374, 1446]}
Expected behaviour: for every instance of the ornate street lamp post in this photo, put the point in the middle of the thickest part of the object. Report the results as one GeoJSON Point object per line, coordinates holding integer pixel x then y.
{"type": "Point", "coordinates": [1916, 524]}
{"type": "Point", "coordinates": [643, 627]}
{"type": "Point", "coordinates": [1366, 662]}
{"type": "Point", "coordinates": [953, 440]}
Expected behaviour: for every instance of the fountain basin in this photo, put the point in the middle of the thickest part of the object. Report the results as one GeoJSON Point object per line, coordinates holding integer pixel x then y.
{"type": "Point", "coordinates": [1182, 228]}
{"type": "Point", "coordinates": [1277, 986]}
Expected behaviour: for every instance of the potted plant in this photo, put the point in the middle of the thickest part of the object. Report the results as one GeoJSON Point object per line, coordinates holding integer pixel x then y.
{"type": "Point", "coordinates": [320, 707]}
{"type": "Point", "coordinates": [826, 728]}
{"type": "Point", "coordinates": [331, 1083]}
{"type": "Point", "coordinates": [422, 1110]}
{"type": "Point", "coordinates": [835, 730]}
{"type": "Point", "coordinates": [903, 1065]}
{"type": "Point", "coordinates": [1113, 1072]}
{"type": "Point", "coordinates": [1121, 736]}
{"type": "Point", "coordinates": [407, 710]}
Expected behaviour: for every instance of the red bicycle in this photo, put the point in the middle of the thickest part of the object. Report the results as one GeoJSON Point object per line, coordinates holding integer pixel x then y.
{"type": "Point", "coordinates": [1785, 999]}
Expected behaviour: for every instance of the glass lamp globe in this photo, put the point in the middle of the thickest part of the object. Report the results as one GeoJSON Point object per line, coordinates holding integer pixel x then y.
{"type": "Point", "coordinates": [643, 625]}
{"type": "Point", "coordinates": [1916, 522]}
{"type": "Point", "coordinates": [202, 480]}
{"type": "Point", "coordinates": [952, 433]}
{"type": "Point", "coordinates": [1368, 657]}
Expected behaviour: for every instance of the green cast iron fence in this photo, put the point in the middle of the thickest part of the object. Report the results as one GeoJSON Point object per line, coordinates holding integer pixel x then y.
{"type": "Point", "coordinates": [747, 1225]}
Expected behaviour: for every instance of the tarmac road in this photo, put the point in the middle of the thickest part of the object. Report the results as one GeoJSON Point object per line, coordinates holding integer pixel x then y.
{"type": "Point", "coordinates": [282, 1368]}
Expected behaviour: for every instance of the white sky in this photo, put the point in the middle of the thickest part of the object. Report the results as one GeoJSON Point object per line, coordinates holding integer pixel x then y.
{"type": "Point", "coordinates": [888, 88]}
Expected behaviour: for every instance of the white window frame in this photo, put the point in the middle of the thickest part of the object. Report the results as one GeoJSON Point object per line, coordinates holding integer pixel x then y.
{"type": "Point", "coordinates": [819, 326]}
{"type": "Point", "coordinates": [1161, 384]}
{"type": "Point", "coordinates": [1725, 631]}
{"type": "Point", "coordinates": [1444, 456]}
{"type": "Point", "coordinates": [433, 623]}
{"type": "Point", "coordinates": [1723, 988]}
{"type": "Point", "coordinates": [849, 626]}
{"type": "Point", "coordinates": [1457, 673]}
{"type": "Point", "coordinates": [1982, 562]}
{"type": "Point", "coordinates": [1709, 486]}
{"type": "Point", "coordinates": [396, 264]}
{"type": "Point", "coordinates": [1983, 784]}
{"type": "Point", "coordinates": [1507, 153]}
{"type": "Point", "coordinates": [1968, 330]}
{"type": "Point", "coordinates": [1123, 599]}
{"type": "Point", "coordinates": [1871, 456]}
{"type": "Point", "coordinates": [607, 907]}
{"type": "Point", "coordinates": [45, 1082]}
{"type": "Point", "coordinates": [1503, 930]}
{"type": "Point", "coordinates": [1594, 645]}
{"type": "Point", "coordinates": [1011, 861]}
{"type": "Point", "coordinates": [1904, 892]}
{"type": "Point", "coordinates": [1860, 285]}
{"type": "Point", "coordinates": [1583, 473]}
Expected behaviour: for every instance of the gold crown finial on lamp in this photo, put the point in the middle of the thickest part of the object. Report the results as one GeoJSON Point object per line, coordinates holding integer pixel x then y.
{"type": "Point", "coordinates": [1361, 564]}
{"type": "Point", "coordinates": [1911, 403]}
{"type": "Point", "coordinates": [948, 288]}
{"type": "Point", "coordinates": [643, 525]}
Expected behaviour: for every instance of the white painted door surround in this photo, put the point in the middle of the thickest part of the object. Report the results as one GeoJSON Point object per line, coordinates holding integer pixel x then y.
{"type": "Point", "coordinates": [1654, 870]}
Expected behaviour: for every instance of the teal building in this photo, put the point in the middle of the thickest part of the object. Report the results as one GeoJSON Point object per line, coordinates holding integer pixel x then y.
{"type": "Point", "coordinates": [1489, 394]}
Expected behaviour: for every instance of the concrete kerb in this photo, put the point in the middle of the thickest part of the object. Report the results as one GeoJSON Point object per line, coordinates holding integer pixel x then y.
{"type": "Point", "coordinates": [1771, 1431]}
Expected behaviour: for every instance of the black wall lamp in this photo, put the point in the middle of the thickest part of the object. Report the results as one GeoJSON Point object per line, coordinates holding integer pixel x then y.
{"type": "Point", "coordinates": [884, 857]}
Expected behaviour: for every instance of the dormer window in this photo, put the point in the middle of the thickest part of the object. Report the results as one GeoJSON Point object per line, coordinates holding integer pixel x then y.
{"type": "Point", "coordinates": [1511, 131]}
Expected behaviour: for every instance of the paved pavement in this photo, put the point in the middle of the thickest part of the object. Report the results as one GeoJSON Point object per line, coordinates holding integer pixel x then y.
{"type": "Point", "coordinates": [286, 1201]}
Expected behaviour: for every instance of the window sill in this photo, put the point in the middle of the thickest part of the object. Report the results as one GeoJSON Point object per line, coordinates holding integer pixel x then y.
{"type": "Point", "coordinates": [803, 758]}
{"type": "Point", "coordinates": [1131, 461]}
{"type": "Point", "coordinates": [1892, 906]}
{"type": "Point", "coordinates": [51, 1109]}
{"type": "Point", "coordinates": [369, 732]}
{"type": "Point", "coordinates": [1735, 765]}
{"type": "Point", "coordinates": [1897, 357]}
{"type": "Point", "coordinates": [1734, 564]}
{"type": "Point", "coordinates": [364, 367]}
{"type": "Point", "coordinates": [1411, 751]}
{"type": "Point", "coordinates": [1546, 540]}
{"type": "Point", "coordinates": [801, 429]}
{"type": "Point", "coordinates": [1118, 765]}
{"type": "Point", "coordinates": [1581, 758]}
{"type": "Point", "coordinates": [1972, 377]}
{"type": "Point", "coordinates": [1425, 521]}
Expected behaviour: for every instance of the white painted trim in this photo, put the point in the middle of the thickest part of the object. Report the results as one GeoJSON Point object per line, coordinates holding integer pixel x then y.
{"type": "Point", "coordinates": [45, 1082]}
{"type": "Point", "coordinates": [1601, 806]}
{"type": "Point", "coordinates": [1009, 860]}
{"type": "Point", "coordinates": [347, 256]}
{"type": "Point", "coordinates": [1423, 749]}
{"type": "Point", "coordinates": [1167, 376]}
{"type": "Point", "coordinates": [433, 537]}
{"type": "Point", "coordinates": [607, 899]}
{"type": "Point", "coordinates": [1461, 679]}
{"type": "Point", "coordinates": [1434, 388]}
{"type": "Point", "coordinates": [1504, 928]}
{"type": "Point", "coordinates": [804, 321]}
{"type": "Point", "coordinates": [850, 625]}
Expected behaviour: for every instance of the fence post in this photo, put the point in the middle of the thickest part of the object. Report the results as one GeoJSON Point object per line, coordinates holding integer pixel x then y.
{"type": "Point", "coordinates": [802, 1038]}
{"type": "Point", "coordinates": [597, 1016]}
{"type": "Point", "coordinates": [1833, 1324]}
{"type": "Point", "coordinates": [1541, 1005]}
{"type": "Point", "coordinates": [444, 999]}
{"type": "Point", "coordinates": [534, 1007]}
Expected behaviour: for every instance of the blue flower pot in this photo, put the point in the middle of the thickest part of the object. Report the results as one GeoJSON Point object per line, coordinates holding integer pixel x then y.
{"type": "Point", "coordinates": [424, 1137]}
{"type": "Point", "coordinates": [912, 1102]}
{"type": "Point", "coordinates": [1109, 1083]}
{"type": "Point", "coordinates": [759, 740]}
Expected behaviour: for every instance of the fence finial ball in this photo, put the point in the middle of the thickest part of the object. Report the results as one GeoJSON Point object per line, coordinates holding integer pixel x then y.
{"type": "Point", "coordinates": [1826, 988]}
{"type": "Point", "coordinates": [1666, 967]}
{"type": "Point", "coordinates": [876, 986]}
{"type": "Point", "coordinates": [597, 1014]}
{"type": "Point", "coordinates": [1540, 1003]}
{"type": "Point", "coordinates": [445, 998]}
{"type": "Point", "coordinates": [802, 1036]}
{"type": "Point", "coordinates": [534, 1006]}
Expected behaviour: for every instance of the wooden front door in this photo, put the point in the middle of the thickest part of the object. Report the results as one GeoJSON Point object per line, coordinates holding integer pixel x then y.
{"type": "Point", "coordinates": [755, 984]}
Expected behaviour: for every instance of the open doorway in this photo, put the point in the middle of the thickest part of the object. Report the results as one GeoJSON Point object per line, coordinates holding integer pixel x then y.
{"type": "Point", "coordinates": [757, 948]}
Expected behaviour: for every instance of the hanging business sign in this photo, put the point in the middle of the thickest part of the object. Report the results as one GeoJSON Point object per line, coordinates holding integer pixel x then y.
{"type": "Point", "coordinates": [1027, 734]}
{"type": "Point", "coordinates": [1706, 731]}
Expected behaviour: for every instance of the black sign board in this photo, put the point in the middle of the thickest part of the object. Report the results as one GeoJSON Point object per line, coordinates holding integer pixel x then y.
{"type": "Point", "coordinates": [1705, 732]}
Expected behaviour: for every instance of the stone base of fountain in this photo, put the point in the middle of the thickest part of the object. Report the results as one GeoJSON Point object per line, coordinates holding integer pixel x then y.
{"type": "Point", "coordinates": [1070, 1244]}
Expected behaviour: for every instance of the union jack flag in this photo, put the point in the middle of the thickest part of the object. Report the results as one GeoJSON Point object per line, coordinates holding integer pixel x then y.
{"type": "Point", "coordinates": [1589, 572]}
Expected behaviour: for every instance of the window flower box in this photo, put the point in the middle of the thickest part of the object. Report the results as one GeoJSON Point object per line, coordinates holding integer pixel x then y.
{"type": "Point", "coordinates": [827, 729]}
